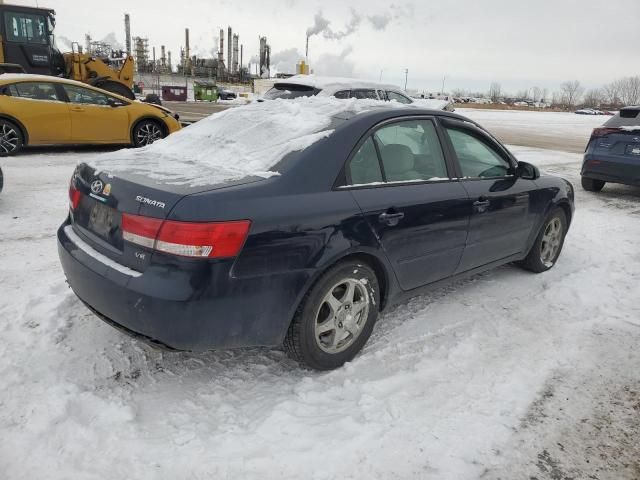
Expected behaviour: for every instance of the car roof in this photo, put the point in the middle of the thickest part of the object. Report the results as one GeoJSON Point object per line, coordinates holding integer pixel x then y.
{"type": "Point", "coordinates": [334, 84]}
{"type": "Point", "coordinates": [6, 78]}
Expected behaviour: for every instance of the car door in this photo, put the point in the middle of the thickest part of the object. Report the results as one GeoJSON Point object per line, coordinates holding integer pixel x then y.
{"type": "Point", "coordinates": [38, 106]}
{"type": "Point", "coordinates": [94, 119]}
{"type": "Point", "coordinates": [500, 213]}
{"type": "Point", "coordinates": [401, 181]}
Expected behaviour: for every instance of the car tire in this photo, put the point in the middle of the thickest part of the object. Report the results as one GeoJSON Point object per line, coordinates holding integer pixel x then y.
{"type": "Point", "coordinates": [546, 249]}
{"type": "Point", "coordinates": [325, 332]}
{"type": "Point", "coordinates": [11, 138]}
{"type": "Point", "coordinates": [592, 185]}
{"type": "Point", "coordinates": [147, 132]}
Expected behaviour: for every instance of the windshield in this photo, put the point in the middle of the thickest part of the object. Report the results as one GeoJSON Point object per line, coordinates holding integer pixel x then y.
{"type": "Point", "coordinates": [290, 90]}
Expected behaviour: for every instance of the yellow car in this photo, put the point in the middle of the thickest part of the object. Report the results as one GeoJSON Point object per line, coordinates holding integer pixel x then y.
{"type": "Point", "coordinates": [42, 110]}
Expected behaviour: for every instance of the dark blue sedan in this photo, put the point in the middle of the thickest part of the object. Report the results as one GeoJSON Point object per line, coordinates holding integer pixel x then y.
{"type": "Point", "coordinates": [613, 152]}
{"type": "Point", "coordinates": [376, 208]}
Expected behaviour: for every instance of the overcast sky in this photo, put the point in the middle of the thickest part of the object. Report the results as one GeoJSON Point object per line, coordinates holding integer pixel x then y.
{"type": "Point", "coordinates": [518, 43]}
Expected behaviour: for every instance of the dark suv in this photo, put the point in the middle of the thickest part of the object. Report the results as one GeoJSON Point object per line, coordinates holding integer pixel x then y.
{"type": "Point", "coordinates": [613, 152]}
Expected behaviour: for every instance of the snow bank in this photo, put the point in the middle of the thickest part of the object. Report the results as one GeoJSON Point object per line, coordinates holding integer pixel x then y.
{"type": "Point", "coordinates": [235, 143]}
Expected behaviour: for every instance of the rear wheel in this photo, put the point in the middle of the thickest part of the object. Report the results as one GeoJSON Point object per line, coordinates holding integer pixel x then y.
{"type": "Point", "coordinates": [11, 139]}
{"type": "Point", "coordinates": [117, 88]}
{"type": "Point", "coordinates": [546, 249]}
{"type": "Point", "coordinates": [335, 318]}
{"type": "Point", "coordinates": [146, 132]}
{"type": "Point", "coordinates": [592, 185]}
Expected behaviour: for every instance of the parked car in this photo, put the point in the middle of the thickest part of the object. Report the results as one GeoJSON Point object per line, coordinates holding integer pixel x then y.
{"type": "Point", "coordinates": [226, 94]}
{"type": "Point", "coordinates": [44, 110]}
{"type": "Point", "coordinates": [253, 241]}
{"type": "Point", "coordinates": [343, 88]}
{"type": "Point", "coordinates": [613, 152]}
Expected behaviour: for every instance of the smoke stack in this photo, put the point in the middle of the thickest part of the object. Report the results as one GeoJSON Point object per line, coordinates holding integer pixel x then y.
{"type": "Point", "coordinates": [241, 52]}
{"type": "Point", "coordinates": [187, 52]}
{"type": "Point", "coordinates": [163, 56]}
{"type": "Point", "coordinates": [127, 33]}
{"type": "Point", "coordinates": [229, 50]}
{"type": "Point", "coordinates": [235, 53]}
{"type": "Point", "coordinates": [87, 42]}
{"type": "Point", "coordinates": [306, 54]}
{"type": "Point", "coordinates": [169, 61]}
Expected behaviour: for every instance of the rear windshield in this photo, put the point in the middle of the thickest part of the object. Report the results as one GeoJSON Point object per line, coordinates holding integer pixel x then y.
{"type": "Point", "coordinates": [290, 90]}
{"type": "Point", "coordinates": [627, 117]}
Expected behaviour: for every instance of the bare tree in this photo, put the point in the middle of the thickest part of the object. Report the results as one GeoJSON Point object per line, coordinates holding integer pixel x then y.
{"type": "Point", "coordinates": [593, 98]}
{"type": "Point", "coordinates": [545, 95]}
{"type": "Point", "coordinates": [495, 91]}
{"type": "Point", "coordinates": [459, 92]}
{"type": "Point", "coordinates": [571, 93]}
{"type": "Point", "coordinates": [537, 94]}
{"type": "Point", "coordinates": [611, 93]}
{"type": "Point", "coordinates": [630, 90]}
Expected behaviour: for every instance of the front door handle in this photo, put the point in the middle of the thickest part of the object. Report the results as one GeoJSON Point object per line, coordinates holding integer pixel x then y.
{"type": "Point", "coordinates": [77, 109]}
{"type": "Point", "coordinates": [391, 219]}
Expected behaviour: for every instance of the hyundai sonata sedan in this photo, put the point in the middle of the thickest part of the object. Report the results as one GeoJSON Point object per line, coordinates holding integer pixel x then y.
{"type": "Point", "coordinates": [297, 222]}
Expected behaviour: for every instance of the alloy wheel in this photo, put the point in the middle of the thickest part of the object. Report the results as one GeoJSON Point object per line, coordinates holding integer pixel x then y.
{"type": "Point", "coordinates": [342, 315]}
{"type": "Point", "coordinates": [148, 133]}
{"type": "Point", "coordinates": [9, 139]}
{"type": "Point", "coordinates": [551, 240]}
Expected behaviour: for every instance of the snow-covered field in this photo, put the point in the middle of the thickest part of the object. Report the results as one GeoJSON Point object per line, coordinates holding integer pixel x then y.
{"type": "Point", "coordinates": [507, 375]}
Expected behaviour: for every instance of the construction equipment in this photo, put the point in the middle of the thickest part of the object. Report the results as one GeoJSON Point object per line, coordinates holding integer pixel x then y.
{"type": "Point", "coordinates": [26, 39]}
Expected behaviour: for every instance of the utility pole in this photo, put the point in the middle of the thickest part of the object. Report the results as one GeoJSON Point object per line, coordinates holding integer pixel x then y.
{"type": "Point", "coordinates": [442, 91]}
{"type": "Point", "coordinates": [381, 70]}
{"type": "Point", "coordinates": [406, 77]}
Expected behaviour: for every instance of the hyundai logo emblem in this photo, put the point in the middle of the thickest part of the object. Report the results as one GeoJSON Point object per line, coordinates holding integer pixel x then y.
{"type": "Point", "coordinates": [96, 186]}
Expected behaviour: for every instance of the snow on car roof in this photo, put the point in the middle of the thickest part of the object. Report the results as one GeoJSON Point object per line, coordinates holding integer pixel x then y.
{"type": "Point", "coordinates": [234, 144]}
{"type": "Point", "coordinates": [335, 83]}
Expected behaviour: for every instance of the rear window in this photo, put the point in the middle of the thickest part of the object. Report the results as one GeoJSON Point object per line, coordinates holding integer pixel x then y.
{"type": "Point", "coordinates": [627, 117]}
{"type": "Point", "coordinates": [289, 90]}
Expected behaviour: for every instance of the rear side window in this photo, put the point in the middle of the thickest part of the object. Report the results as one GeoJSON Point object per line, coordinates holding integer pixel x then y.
{"type": "Point", "coordinates": [34, 91]}
{"type": "Point", "coordinates": [289, 91]}
{"type": "Point", "coordinates": [476, 158]}
{"type": "Point", "coordinates": [628, 117]}
{"type": "Point", "coordinates": [365, 165]}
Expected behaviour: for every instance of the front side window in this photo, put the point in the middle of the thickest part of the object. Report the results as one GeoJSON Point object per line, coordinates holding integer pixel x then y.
{"type": "Point", "coordinates": [342, 94]}
{"type": "Point", "coordinates": [363, 94]}
{"type": "Point", "coordinates": [407, 151]}
{"type": "Point", "coordinates": [26, 28]}
{"type": "Point", "coordinates": [398, 97]}
{"type": "Point", "coordinates": [85, 96]}
{"type": "Point", "coordinates": [290, 90]}
{"type": "Point", "coordinates": [476, 158]}
{"type": "Point", "coordinates": [34, 91]}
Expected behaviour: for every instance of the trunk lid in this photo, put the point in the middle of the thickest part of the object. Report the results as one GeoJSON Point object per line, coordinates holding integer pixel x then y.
{"type": "Point", "coordinates": [97, 219]}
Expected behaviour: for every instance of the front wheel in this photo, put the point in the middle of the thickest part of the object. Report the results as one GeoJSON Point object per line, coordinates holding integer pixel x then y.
{"type": "Point", "coordinates": [546, 249]}
{"type": "Point", "coordinates": [335, 318]}
{"type": "Point", "coordinates": [146, 132]}
{"type": "Point", "coordinates": [592, 185]}
{"type": "Point", "coordinates": [11, 140]}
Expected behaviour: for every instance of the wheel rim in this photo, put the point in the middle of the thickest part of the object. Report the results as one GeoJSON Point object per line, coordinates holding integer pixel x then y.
{"type": "Point", "coordinates": [148, 133]}
{"type": "Point", "coordinates": [9, 139]}
{"type": "Point", "coordinates": [342, 316]}
{"type": "Point", "coordinates": [551, 240]}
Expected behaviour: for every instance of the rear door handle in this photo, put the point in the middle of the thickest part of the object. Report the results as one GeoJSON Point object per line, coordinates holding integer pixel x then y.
{"type": "Point", "coordinates": [391, 219]}
{"type": "Point", "coordinates": [482, 204]}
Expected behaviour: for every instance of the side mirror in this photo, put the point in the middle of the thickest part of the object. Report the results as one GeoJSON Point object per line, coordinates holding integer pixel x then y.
{"type": "Point", "coordinates": [527, 171]}
{"type": "Point", "coordinates": [112, 102]}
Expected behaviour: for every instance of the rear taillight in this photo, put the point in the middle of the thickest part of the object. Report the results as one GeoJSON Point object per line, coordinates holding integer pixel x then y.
{"type": "Point", "coordinates": [74, 196]}
{"type": "Point", "coordinates": [603, 131]}
{"type": "Point", "coordinates": [199, 240]}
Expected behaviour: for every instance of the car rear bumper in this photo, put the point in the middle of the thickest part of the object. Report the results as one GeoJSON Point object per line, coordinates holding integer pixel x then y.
{"type": "Point", "coordinates": [193, 309]}
{"type": "Point", "coordinates": [613, 170]}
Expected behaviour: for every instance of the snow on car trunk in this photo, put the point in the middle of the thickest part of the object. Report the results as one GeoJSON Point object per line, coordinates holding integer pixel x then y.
{"type": "Point", "coordinates": [233, 144]}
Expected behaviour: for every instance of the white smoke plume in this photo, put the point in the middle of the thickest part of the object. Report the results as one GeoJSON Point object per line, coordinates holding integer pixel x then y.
{"type": "Point", "coordinates": [322, 25]}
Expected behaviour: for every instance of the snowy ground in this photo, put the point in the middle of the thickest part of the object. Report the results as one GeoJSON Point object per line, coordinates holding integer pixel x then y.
{"type": "Point", "coordinates": [553, 130]}
{"type": "Point", "coordinates": [507, 375]}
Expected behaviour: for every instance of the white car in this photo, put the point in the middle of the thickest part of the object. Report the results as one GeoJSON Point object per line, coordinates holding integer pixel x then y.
{"type": "Point", "coordinates": [313, 85]}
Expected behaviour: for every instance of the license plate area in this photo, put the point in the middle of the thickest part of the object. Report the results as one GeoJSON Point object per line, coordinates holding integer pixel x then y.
{"type": "Point", "coordinates": [103, 221]}
{"type": "Point", "coordinates": [633, 149]}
